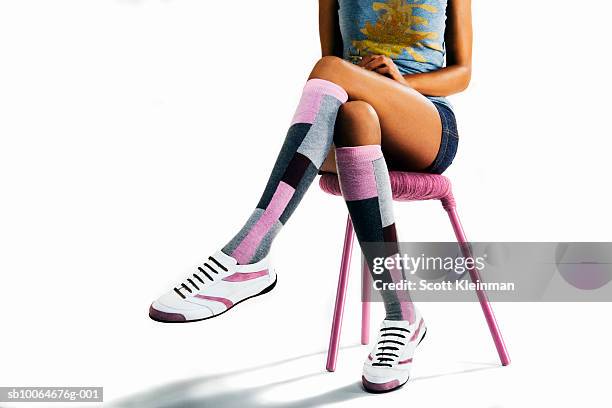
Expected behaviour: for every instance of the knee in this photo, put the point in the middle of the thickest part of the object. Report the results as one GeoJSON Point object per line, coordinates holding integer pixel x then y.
{"type": "Point", "coordinates": [328, 67]}
{"type": "Point", "coordinates": [358, 111]}
{"type": "Point", "coordinates": [357, 124]}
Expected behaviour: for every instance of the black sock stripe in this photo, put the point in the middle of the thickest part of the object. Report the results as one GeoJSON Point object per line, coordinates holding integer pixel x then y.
{"type": "Point", "coordinates": [295, 169]}
{"type": "Point", "coordinates": [295, 135]}
{"type": "Point", "coordinates": [390, 233]}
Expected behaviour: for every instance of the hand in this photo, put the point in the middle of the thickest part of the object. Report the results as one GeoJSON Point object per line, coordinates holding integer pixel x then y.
{"type": "Point", "coordinates": [382, 65]}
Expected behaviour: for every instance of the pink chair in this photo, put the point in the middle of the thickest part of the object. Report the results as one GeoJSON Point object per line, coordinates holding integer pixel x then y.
{"type": "Point", "coordinates": [405, 187]}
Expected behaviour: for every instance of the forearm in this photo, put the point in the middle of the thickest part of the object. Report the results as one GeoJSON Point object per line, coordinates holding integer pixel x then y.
{"type": "Point", "coordinates": [458, 72]}
{"type": "Point", "coordinates": [329, 30]}
{"type": "Point", "coordinates": [443, 82]}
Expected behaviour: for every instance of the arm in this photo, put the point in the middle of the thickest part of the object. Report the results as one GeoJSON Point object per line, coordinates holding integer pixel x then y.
{"type": "Point", "coordinates": [329, 28]}
{"type": "Point", "coordinates": [455, 77]}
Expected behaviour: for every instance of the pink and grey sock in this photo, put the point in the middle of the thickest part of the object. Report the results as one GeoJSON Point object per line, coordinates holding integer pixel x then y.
{"type": "Point", "coordinates": [366, 188]}
{"type": "Point", "coordinates": [305, 148]}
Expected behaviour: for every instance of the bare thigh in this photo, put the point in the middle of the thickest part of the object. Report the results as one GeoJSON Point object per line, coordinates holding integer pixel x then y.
{"type": "Point", "coordinates": [410, 124]}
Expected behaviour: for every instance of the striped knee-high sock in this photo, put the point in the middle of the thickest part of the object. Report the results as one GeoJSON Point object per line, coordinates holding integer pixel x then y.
{"type": "Point", "coordinates": [364, 181]}
{"type": "Point", "coordinates": [307, 143]}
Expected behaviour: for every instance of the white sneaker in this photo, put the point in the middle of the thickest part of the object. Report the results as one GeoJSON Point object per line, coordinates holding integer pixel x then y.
{"type": "Point", "coordinates": [216, 286]}
{"type": "Point", "coordinates": [388, 365]}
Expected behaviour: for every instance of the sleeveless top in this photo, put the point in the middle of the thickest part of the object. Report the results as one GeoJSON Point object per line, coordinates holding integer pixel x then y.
{"type": "Point", "coordinates": [410, 32]}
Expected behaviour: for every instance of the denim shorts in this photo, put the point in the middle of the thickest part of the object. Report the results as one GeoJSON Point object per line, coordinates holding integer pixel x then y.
{"type": "Point", "coordinates": [448, 142]}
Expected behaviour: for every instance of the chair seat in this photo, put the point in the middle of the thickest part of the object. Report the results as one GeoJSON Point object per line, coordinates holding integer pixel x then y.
{"type": "Point", "coordinates": [405, 186]}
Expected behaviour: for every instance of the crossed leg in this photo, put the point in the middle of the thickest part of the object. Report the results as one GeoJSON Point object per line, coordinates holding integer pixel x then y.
{"type": "Point", "coordinates": [360, 111]}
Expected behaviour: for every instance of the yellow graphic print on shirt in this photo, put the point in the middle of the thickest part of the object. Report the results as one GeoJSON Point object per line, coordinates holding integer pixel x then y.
{"type": "Point", "coordinates": [393, 32]}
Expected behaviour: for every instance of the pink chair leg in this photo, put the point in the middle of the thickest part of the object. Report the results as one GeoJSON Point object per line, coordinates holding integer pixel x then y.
{"type": "Point", "coordinates": [365, 304]}
{"type": "Point", "coordinates": [345, 264]}
{"type": "Point", "coordinates": [482, 296]}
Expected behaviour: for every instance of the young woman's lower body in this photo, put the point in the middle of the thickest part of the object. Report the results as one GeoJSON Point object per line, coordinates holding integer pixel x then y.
{"type": "Point", "coordinates": [359, 124]}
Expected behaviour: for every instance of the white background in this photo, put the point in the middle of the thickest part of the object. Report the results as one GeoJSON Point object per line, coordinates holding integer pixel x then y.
{"type": "Point", "coordinates": [136, 137]}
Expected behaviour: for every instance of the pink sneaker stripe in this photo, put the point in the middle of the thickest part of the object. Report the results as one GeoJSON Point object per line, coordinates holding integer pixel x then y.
{"type": "Point", "coordinates": [370, 357]}
{"type": "Point", "coordinates": [408, 360]}
{"type": "Point", "coordinates": [242, 277]}
{"type": "Point", "coordinates": [417, 331]}
{"type": "Point", "coordinates": [228, 303]}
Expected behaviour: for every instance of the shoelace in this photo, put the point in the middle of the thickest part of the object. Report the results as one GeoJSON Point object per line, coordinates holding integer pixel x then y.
{"type": "Point", "coordinates": [204, 274]}
{"type": "Point", "coordinates": [385, 355]}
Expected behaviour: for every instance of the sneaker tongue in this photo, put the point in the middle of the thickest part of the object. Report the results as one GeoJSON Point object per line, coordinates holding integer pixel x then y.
{"type": "Point", "coordinates": [404, 324]}
{"type": "Point", "coordinates": [224, 258]}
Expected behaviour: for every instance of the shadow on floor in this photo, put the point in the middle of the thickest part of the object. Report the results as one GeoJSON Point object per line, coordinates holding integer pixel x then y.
{"type": "Point", "coordinates": [182, 394]}
{"type": "Point", "coordinates": [482, 367]}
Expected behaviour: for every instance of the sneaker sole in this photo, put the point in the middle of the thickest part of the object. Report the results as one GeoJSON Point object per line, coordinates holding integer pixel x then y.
{"type": "Point", "coordinates": [424, 333]}
{"type": "Point", "coordinates": [374, 388]}
{"type": "Point", "coordinates": [155, 314]}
